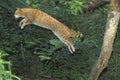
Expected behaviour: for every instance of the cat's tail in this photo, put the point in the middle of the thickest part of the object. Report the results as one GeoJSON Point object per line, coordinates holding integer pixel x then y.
{"type": "Point", "coordinates": [79, 35]}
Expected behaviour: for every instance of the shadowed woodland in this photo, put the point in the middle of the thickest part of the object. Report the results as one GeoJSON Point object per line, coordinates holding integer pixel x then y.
{"type": "Point", "coordinates": [35, 53]}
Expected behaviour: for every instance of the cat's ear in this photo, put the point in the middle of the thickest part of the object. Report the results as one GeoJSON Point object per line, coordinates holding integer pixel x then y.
{"type": "Point", "coordinates": [20, 9]}
{"type": "Point", "coordinates": [17, 8]}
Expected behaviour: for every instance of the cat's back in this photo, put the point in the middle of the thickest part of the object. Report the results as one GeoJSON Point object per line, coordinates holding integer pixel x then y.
{"type": "Point", "coordinates": [41, 18]}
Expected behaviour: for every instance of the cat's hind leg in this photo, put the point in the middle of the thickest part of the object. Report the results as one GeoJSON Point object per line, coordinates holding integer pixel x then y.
{"type": "Point", "coordinates": [67, 41]}
{"type": "Point", "coordinates": [70, 44]}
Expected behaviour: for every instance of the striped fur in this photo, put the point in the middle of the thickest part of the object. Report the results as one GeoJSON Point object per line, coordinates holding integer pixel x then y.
{"type": "Point", "coordinates": [41, 19]}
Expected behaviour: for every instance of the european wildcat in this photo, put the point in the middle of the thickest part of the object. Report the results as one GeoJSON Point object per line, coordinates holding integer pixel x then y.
{"type": "Point", "coordinates": [37, 17]}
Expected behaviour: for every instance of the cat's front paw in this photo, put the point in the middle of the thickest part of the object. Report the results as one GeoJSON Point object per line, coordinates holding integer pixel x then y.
{"type": "Point", "coordinates": [21, 27]}
{"type": "Point", "coordinates": [20, 24]}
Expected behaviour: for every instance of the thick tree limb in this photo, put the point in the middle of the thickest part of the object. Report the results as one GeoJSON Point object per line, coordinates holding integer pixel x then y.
{"type": "Point", "coordinates": [94, 3]}
{"type": "Point", "coordinates": [109, 36]}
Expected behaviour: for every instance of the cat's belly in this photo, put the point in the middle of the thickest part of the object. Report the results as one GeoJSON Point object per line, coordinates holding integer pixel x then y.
{"type": "Point", "coordinates": [43, 26]}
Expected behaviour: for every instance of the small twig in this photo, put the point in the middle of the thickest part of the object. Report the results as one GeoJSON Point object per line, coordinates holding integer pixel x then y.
{"type": "Point", "coordinates": [22, 46]}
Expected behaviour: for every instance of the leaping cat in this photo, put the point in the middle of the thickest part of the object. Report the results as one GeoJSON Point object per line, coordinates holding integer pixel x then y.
{"type": "Point", "coordinates": [41, 19]}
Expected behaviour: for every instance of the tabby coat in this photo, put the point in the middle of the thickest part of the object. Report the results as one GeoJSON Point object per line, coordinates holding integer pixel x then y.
{"type": "Point", "coordinates": [39, 18]}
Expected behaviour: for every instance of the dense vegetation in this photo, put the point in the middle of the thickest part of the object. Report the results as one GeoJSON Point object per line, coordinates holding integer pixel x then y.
{"type": "Point", "coordinates": [36, 54]}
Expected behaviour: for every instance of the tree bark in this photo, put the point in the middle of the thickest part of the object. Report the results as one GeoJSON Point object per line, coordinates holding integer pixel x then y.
{"type": "Point", "coordinates": [109, 36]}
{"type": "Point", "coordinates": [94, 4]}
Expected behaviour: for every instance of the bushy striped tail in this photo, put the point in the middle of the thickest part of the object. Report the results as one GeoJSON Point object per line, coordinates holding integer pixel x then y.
{"type": "Point", "coordinates": [80, 36]}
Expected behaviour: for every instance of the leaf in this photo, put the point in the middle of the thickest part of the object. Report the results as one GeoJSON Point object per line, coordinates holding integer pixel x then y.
{"type": "Point", "coordinates": [30, 44]}
{"type": "Point", "coordinates": [43, 58]}
{"type": "Point", "coordinates": [56, 43]}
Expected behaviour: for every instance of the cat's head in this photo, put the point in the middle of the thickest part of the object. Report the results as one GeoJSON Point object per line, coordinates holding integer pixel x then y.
{"type": "Point", "coordinates": [19, 13]}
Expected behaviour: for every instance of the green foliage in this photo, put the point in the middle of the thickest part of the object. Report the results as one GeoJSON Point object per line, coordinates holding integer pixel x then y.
{"type": "Point", "coordinates": [104, 9]}
{"type": "Point", "coordinates": [10, 6]}
{"type": "Point", "coordinates": [5, 69]}
{"type": "Point", "coordinates": [32, 3]}
{"type": "Point", "coordinates": [57, 44]}
{"type": "Point", "coordinates": [55, 61]}
{"type": "Point", "coordinates": [74, 5]}
{"type": "Point", "coordinates": [44, 58]}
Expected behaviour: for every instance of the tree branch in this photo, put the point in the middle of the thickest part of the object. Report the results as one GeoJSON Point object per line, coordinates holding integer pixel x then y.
{"type": "Point", "coordinates": [109, 36]}
{"type": "Point", "coordinates": [94, 4]}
